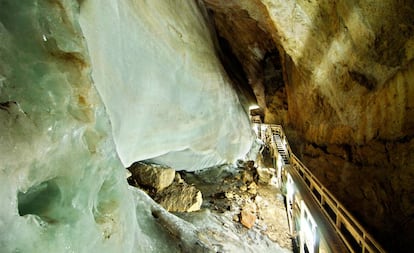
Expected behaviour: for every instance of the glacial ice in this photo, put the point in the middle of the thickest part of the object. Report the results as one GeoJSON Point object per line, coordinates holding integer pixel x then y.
{"type": "Point", "coordinates": [156, 92]}
{"type": "Point", "coordinates": [62, 185]}
{"type": "Point", "coordinates": [155, 67]}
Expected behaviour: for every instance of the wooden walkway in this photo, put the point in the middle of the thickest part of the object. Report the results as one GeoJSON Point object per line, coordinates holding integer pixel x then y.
{"type": "Point", "coordinates": [319, 221]}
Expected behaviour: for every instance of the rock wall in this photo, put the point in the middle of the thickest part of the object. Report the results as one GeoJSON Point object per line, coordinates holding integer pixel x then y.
{"type": "Point", "coordinates": [350, 95]}
{"type": "Point", "coordinates": [347, 102]}
{"type": "Point", "coordinates": [245, 30]}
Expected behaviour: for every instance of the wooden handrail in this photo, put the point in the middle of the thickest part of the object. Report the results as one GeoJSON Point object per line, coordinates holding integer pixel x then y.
{"type": "Point", "coordinates": [342, 219]}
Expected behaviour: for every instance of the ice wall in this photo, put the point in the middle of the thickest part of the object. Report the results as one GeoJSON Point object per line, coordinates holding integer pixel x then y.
{"type": "Point", "coordinates": [62, 184]}
{"type": "Point", "coordinates": [164, 88]}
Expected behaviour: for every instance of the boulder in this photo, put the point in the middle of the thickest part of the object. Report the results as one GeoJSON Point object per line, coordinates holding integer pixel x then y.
{"type": "Point", "coordinates": [247, 218]}
{"type": "Point", "coordinates": [247, 176]}
{"type": "Point", "coordinates": [248, 215]}
{"type": "Point", "coordinates": [252, 188]}
{"type": "Point", "coordinates": [265, 175]}
{"type": "Point", "coordinates": [152, 175]}
{"type": "Point", "coordinates": [180, 197]}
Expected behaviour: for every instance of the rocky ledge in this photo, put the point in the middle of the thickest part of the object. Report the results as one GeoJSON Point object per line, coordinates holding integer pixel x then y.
{"type": "Point", "coordinates": [238, 199]}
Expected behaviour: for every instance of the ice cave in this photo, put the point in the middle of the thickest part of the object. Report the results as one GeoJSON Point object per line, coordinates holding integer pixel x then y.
{"type": "Point", "coordinates": [103, 102]}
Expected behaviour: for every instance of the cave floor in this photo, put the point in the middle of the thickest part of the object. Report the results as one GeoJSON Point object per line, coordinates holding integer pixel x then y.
{"type": "Point", "coordinates": [232, 196]}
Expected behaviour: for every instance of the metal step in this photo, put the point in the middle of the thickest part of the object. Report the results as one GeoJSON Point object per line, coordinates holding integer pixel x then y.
{"type": "Point", "coordinates": [280, 149]}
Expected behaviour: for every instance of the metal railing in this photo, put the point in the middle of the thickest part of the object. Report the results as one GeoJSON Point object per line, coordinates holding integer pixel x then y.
{"type": "Point", "coordinates": [355, 237]}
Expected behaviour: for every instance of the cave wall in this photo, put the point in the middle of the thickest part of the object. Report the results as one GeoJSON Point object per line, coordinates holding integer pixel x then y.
{"type": "Point", "coordinates": [347, 105]}
{"type": "Point", "coordinates": [350, 95]}
{"type": "Point", "coordinates": [347, 102]}
{"type": "Point", "coordinates": [248, 31]}
{"type": "Point", "coordinates": [372, 178]}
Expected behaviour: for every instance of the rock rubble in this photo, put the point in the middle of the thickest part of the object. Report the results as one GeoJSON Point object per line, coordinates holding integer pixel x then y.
{"type": "Point", "coordinates": [165, 186]}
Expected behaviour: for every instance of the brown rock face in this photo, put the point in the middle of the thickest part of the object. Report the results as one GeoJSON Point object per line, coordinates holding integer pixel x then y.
{"type": "Point", "coordinates": [244, 32]}
{"type": "Point", "coordinates": [339, 75]}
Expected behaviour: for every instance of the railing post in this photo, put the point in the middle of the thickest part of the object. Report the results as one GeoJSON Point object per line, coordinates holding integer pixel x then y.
{"type": "Point", "coordinates": [338, 221]}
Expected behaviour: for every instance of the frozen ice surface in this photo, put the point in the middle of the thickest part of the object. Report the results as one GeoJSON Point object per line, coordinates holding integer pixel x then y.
{"type": "Point", "coordinates": [62, 185]}
{"type": "Point", "coordinates": [163, 86]}
{"type": "Point", "coordinates": [156, 89]}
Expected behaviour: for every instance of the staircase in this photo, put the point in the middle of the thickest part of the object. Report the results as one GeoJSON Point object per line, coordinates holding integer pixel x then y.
{"type": "Point", "coordinates": [281, 148]}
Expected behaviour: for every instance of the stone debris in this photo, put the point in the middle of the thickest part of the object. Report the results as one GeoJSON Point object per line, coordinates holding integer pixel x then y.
{"type": "Point", "coordinates": [247, 218]}
{"type": "Point", "coordinates": [249, 199]}
{"type": "Point", "coordinates": [247, 176]}
{"type": "Point", "coordinates": [245, 195]}
{"type": "Point", "coordinates": [243, 188]}
{"type": "Point", "coordinates": [248, 215]}
{"type": "Point", "coordinates": [265, 175]}
{"type": "Point", "coordinates": [166, 187]}
{"type": "Point", "coordinates": [252, 188]}
{"type": "Point", "coordinates": [229, 194]}
{"type": "Point", "coordinates": [180, 197]}
{"type": "Point", "coordinates": [154, 176]}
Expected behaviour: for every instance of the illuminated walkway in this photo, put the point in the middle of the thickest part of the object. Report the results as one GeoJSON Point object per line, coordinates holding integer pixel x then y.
{"type": "Point", "coordinates": [318, 221]}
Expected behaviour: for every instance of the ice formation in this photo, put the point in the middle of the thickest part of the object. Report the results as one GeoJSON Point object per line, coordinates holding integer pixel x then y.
{"type": "Point", "coordinates": [62, 187]}
{"type": "Point", "coordinates": [157, 72]}
{"type": "Point", "coordinates": [156, 91]}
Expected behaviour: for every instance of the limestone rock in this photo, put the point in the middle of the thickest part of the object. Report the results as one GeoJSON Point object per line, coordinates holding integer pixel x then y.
{"type": "Point", "coordinates": [178, 179]}
{"type": "Point", "coordinates": [252, 188]}
{"type": "Point", "coordinates": [265, 175]}
{"type": "Point", "coordinates": [247, 176]}
{"type": "Point", "coordinates": [180, 197]}
{"type": "Point", "coordinates": [229, 195]}
{"type": "Point", "coordinates": [247, 219]}
{"type": "Point", "coordinates": [248, 216]}
{"type": "Point", "coordinates": [344, 87]}
{"type": "Point", "coordinates": [248, 165]}
{"type": "Point", "coordinates": [243, 188]}
{"type": "Point", "coordinates": [152, 175]}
